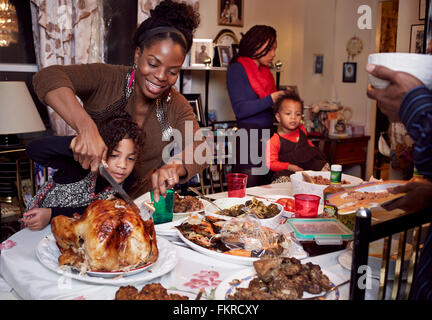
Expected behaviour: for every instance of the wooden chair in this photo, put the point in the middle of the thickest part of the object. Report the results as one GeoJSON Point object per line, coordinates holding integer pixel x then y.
{"type": "Point", "coordinates": [409, 228]}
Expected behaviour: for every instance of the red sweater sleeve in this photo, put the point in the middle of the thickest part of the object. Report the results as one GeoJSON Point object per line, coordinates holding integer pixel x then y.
{"type": "Point", "coordinates": [272, 155]}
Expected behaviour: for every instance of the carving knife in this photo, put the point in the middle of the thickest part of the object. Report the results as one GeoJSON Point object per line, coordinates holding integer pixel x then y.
{"type": "Point", "coordinates": [147, 208]}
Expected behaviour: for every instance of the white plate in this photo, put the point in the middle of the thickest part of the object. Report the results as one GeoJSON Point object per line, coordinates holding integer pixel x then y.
{"type": "Point", "coordinates": [226, 287]}
{"type": "Point", "coordinates": [176, 215]}
{"type": "Point", "coordinates": [168, 229]}
{"type": "Point", "coordinates": [47, 252]}
{"type": "Point", "coordinates": [223, 256]}
{"type": "Point", "coordinates": [225, 203]}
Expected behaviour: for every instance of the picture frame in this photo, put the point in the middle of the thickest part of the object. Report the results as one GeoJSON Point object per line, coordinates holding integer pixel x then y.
{"type": "Point", "coordinates": [230, 13]}
{"type": "Point", "coordinates": [201, 49]}
{"type": "Point", "coordinates": [422, 9]}
{"type": "Point", "coordinates": [349, 72]}
{"type": "Point", "coordinates": [318, 66]}
{"type": "Point", "coordinates": [417, 38]}
{"type": "Point", "coordinates": [195, 101]}
{"type": "Point", "coordinates": [428, 24]}
{"type": "Point", "coordinates": [225, 55]}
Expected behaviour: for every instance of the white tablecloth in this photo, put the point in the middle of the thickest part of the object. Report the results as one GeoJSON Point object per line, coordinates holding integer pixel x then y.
{"type": "Point", "coordinates": [23, 276]}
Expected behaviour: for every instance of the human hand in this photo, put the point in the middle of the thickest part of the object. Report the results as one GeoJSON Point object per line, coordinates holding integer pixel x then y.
{"type": "Point", "coordinates": [418, 196]}
{"type": "Point", "coordinates": [275, 95]}
{"type": "Point", "coordinates": [390, 98]}
{"type": "Point", "coordinates": [293, 167]}
{"type": "Point", "coordinates": [37, 218]}
{"type": "Point", "coordinates": [88, 148]}
{"type": "Point", "coordinates": [165, 177]}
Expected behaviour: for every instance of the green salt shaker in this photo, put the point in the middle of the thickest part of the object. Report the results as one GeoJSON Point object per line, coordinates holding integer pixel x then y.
{"type": "Point", "coordinates": [164, 207]}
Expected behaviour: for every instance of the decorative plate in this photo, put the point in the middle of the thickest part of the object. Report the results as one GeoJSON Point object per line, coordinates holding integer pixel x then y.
{"type": "Point", "coordinates": [47, 252]}
{"type": "Point", "coordinates": [228, 287]}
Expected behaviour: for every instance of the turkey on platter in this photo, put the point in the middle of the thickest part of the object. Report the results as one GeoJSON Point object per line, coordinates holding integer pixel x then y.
{"type": "Point", "coordinates": [109, 236]}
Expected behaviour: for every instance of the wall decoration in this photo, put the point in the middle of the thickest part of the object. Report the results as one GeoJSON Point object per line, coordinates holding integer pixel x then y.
{"type": "Point", "coordinates": [429, 25]}
{"type": "Point", "coordinates": [230, 13]}
{"type": "Point", "coordinates": [194, 100]}
{"type": "Point", "coordinates": [417, 38]}
{"type": "Point", "coordinates": [201, 50]}
{"type": "Point", "coordinates": [225, 55]}
{"type": "Point", "coordinates": [349, 72]}
{"type": "Point", "coordinates": [318, 66]}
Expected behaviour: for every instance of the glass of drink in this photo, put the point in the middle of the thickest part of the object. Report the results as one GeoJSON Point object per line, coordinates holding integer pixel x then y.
{"type": "Point", "coordinates": [236, 185]}
{"type": "Point", "coordinates": [306, 205]}
{"type": "Point", "coordinates": [164, 207]}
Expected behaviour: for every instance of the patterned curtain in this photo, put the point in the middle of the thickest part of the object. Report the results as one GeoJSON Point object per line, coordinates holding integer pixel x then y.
{"type": "Point", "coordinates": [144, 7]}
{"type": "Point", "coordinates": [67, 32]}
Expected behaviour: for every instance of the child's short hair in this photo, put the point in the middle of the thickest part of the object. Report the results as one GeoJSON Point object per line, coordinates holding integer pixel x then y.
{"type": "Point", "coordinates": [289, 95]}
{"type": "Point", "coordinates": [120, 127]}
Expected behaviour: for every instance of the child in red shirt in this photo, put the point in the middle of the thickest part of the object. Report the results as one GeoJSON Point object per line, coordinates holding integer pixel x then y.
{"type": "Point", "coordinates": [289, 150]}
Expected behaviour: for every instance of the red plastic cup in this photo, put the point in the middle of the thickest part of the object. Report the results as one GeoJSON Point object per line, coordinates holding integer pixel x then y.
{"type": "Point", "coordinates": [306, 205]}
{"type": "Point", "coordinates": [236, 185]}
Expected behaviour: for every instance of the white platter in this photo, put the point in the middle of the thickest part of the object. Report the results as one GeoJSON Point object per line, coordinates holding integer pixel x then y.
{"type": "Point", "coordinates": [225, 203]}
{"type": "Point", "coordinates": [47, 252]}
{"type": "Point", "coordinates": [168, 229]}
{"type": "Point", "coordinates": [226, 287]}
{"type": "Point", "coordinates": [226, 257]}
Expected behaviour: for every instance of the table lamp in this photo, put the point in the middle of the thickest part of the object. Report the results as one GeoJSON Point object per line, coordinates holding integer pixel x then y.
{"type": "Point", "coordinates": [18, 113]}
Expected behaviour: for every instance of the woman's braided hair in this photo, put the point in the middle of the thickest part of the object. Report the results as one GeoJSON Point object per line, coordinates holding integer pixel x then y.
{"type": "Point", "coordinates": [169, 14]}
{"type": "Point", "coordinates": [253, 40]}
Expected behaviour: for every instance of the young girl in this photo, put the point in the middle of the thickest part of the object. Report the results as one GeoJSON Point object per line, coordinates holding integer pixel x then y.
{"type": "Point", "coordinates": [72, 188]}
{"type": "Point", "coordinates": [289, 150]}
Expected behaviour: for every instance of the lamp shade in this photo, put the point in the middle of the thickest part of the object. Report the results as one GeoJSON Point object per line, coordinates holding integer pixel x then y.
{"type": "Point", "coordinates": [18, 113]}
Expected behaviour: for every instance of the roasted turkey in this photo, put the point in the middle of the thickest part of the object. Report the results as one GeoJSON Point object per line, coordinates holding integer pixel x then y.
{"type": "Point", "coordinates": [109, 236]}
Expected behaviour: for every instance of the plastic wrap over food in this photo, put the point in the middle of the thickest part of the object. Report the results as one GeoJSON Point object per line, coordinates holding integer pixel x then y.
{"type": "Point", "coordinates": [248, 235]}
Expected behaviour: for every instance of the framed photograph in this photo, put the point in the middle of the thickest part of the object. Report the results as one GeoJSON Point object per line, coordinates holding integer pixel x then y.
{"type": "Point", "coordinates": [201, 50]}
{"type": "Point", "coordinates": [349, 73]}
{"type": "Point", "coordinates": [225, 55]}
{"type": "Point", "coordinates": [422, 9]}
{"type": "Point", "coordinates": [417, 38]}
{"type": "Point", "coordinates": [194, 100]}
{"type": "Point", "coordinates": [318, 63]}
{"type": "Point", "coordinates": [230, 13]}
{"type": "Point", "coordinates": [428, 24]}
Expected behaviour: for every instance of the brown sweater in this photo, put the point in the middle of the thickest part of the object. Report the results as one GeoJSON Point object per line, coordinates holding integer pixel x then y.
{"type": "Point", "coordinates": [99, 85]}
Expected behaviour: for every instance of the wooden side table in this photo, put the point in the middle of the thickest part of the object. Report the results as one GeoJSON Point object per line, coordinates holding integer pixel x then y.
{"type": "Point", "coordinates": [347, 151]}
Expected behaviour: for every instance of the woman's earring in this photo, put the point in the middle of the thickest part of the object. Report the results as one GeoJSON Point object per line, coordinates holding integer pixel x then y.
{"type": "Point", "coordinates": [168, 99]}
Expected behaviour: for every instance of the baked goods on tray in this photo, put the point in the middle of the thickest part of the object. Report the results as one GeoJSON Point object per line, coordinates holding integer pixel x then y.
{"type": "Point", "coordinates": [152, 291]}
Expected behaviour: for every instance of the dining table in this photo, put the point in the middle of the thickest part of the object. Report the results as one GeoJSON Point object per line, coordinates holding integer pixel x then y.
{"type": "Point", "coordinates": [23, 276]}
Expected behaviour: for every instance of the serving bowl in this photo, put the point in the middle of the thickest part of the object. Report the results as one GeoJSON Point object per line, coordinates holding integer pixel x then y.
{"type": "Point", "coordinates": [226, 203]}
{"type": "Point", "coordinates": [418, 65]}
{"type": "Point", "coordinates": [298, 185]}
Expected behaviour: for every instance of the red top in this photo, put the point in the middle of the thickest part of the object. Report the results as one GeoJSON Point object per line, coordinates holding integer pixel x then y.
{"type": "Point", "coordinates": [273, 149]}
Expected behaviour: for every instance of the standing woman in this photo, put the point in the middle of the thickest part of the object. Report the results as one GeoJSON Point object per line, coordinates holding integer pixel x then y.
{"type": "Point", "coordinates": [143, 90]}
{"type": "Point", "coordinates": [252, 92]}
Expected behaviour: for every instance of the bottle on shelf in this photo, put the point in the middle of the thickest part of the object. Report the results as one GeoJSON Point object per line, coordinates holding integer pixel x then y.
{"type": "Point", "coordinates": [334, 187]}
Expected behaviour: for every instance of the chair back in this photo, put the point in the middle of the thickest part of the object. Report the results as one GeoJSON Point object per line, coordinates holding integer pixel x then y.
{"type": "Point", "coordinates": [409, 229]}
